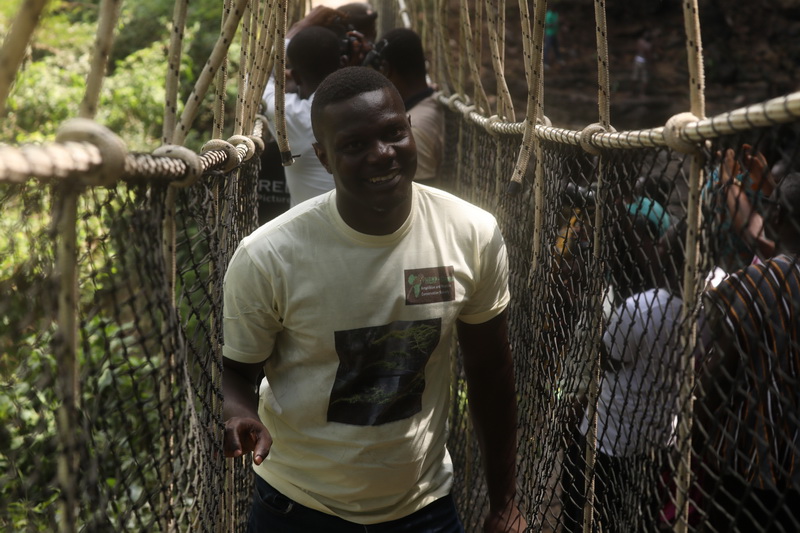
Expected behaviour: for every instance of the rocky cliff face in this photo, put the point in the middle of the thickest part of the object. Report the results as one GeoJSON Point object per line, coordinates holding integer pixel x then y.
{"type": "Point", "coordinates": [751, 53]}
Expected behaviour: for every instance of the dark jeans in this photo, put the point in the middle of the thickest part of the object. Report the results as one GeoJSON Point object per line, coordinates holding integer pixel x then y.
{"type": "Point", "coordinates": [273, 512]}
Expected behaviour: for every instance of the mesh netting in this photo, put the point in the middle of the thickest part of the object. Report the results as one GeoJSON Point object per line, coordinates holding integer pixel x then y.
{"type": "Point", "coordinates": [656, 390]}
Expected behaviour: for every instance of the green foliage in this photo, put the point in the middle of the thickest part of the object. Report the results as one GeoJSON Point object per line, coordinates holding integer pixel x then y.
{"type": "Point", "coordinates": [121, 415]}
{"type": "Point", "coordinates": [121, 402]}
{"type": "Point", "coordinates": [34, 114]}
{"type": "Point", "coordinates": [27, 440]}
{"type": "Point", "coordinates": [132, 104]}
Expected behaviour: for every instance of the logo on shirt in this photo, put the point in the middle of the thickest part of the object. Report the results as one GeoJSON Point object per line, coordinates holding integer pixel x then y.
{"type": "Point", "coordinates": [430, 285]}
{"type": "Point", "coordinates": [381, 374]}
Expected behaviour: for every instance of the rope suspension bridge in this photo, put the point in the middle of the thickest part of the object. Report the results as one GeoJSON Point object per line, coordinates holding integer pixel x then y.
{"type": "Point", "coordinates": [113, 260]}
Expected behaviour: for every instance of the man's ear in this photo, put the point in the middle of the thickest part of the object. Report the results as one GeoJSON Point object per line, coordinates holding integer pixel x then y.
{"type": "Point", "coordinates": [322, 156]}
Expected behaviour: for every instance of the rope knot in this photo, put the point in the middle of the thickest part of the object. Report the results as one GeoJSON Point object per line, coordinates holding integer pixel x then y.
{"type": "Point", "coordinates": [451, 102]}
{"type": "Point", "coordinates": [586, 137]}
{"type": "Point", "coordinates": [113, 152]}
{"type": "Point", "coordinates": [231, 153]}
{"type": "Point", "coordinates": [194, 167]}
{"type": "Point", "coordinates": [249, 149]}
{"type": "Point", "coordinates": [494, 119]}
{"type": "Point", "coordinates": [672, 133]}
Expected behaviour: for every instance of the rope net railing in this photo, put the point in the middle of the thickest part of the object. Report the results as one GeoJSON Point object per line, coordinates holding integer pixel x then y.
{"type": "Point", "coordinates": [653, 394]}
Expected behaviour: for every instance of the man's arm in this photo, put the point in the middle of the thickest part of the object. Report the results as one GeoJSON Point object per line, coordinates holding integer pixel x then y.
{"type": "Point", "coordinates": [491, 390]}
{"type": "Point", "coordinates": [244, 432]}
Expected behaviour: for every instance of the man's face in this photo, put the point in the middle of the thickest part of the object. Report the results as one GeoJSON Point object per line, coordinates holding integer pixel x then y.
{"type": "Point", "coordinates": [366, 143]}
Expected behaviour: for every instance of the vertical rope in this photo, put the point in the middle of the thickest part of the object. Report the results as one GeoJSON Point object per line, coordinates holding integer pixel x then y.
{"type": "Point", "coordinates": [694, 259]}
{"type": "Point", "coordinates": [479, 95]}
{"type": "Point", "coordinates": [209, 71]}
{"type": "Point", "coordinates": [173, 70]}
{"type": "Point", "coordinates": [267, 59]}
{"type": "Point", "coordinates": [445, 75]}
{"type": "Point", "coordinates": [402, 10]}
{"type": "Point", "coordinates": [532, 37]}
{"type": "Point", "coordinates": [65, 215]}
{"type": "Point", "coordinates": [495, 22]}
{"type": "Point", "coordinates": [109, 15]}
{"type": "Point", "coordinates": [257, 57]}
{"type": "Point", "coordinates": [603, 89]}
{"type": "Point", "coordinates": [221, 84]}
{"type": "Point", "coordinates": [595, 337]}
{"type": "Point", "coordinates": [280, 83]}
{"type": "Point", "coordinates": [245, 65]}
{"type": "Point", "coordinates": [15, 44]}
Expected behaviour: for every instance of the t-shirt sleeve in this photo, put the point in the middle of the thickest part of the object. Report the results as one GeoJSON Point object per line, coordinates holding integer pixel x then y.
{"type": "Point", "coordinates": [491, 294]}
{"type": "Point", "coordinates": [250, 322]}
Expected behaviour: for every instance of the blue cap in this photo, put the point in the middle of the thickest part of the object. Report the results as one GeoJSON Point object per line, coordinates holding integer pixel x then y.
{"type": "Point", "coordinates": [653, 211]}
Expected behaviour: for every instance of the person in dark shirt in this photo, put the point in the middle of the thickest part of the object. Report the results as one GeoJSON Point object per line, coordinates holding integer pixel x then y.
{"type": "Point", "coordinates": [749, 400]}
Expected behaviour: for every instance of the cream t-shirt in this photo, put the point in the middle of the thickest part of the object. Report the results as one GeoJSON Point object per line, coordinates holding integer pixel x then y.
{"type": "Point", "coordinates": [357, 331]}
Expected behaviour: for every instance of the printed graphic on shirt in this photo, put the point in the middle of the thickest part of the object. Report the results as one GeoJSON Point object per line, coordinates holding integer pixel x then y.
{"type": "Point", "coordinates": [381, 374]}
{"type": "Point", "coordinates": [430, 285]}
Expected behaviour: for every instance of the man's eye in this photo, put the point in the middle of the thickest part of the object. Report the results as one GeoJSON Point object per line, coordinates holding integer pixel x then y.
{"type": "Point", "coordinates": [397, 133]}
{"type": "Point", "coordinates": [353, 146]}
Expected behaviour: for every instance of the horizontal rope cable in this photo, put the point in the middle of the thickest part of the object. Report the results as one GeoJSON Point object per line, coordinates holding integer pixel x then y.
{"type": "Point", "coordinates": [61, 160]}
{"type": "Point", "coordinates": [779, 110]}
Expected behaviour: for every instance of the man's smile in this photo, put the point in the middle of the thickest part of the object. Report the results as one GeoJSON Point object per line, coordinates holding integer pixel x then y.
{"type": "Point", "coordinates": [387, 178]}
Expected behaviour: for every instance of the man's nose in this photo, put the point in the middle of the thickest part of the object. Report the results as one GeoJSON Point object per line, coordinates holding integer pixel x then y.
{"type": "Point", "coordinates": [382, 150]}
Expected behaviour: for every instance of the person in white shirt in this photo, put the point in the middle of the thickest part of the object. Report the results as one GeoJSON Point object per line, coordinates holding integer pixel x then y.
{"type": "Point", "coordinates": [351, 304]}
{"type": "Point", "coordinates": [313, 52]}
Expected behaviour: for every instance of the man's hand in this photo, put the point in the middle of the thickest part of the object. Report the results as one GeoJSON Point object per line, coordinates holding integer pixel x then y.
{"type": "Point", "coordinates": [244, 435]}
{"type": "Point", "coordinates": [506, 520]}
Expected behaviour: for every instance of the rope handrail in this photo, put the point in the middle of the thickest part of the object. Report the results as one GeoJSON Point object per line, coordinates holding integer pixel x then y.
{"type": "Point", "coordinates": [68, 159]}
{"type": "Point", "coordinates": [60, 160]}
{"type": "Point", "coordinates": [780, 110]}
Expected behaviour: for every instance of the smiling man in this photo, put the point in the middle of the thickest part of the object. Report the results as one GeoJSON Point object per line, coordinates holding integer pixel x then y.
{"type": "Point", "coordinates": [351, 304]}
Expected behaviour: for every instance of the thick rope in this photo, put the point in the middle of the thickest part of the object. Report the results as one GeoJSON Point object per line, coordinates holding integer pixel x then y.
{"type": "Point", "coordinates": [446, 75]}
{"type": "Point", "coordinates": [216, 58]}
{"type": "Point", "coordinates": [280, 83]}
{"type": "Point", "coordinates": [495, 22]}
{"type": "Point", "coordinates": [780, 110]}
{"type": "Point", "coordinates": [596, 286]}
{"type": "Point", "coordinates": [60, 160]}
{"type": "Point", "coordinates": [221, 84]}
{"type": "Point", "coordinates": [603, 84]}
{"type": "Point", "coordinates": [691, 20]}
{"type": "Point", "coordinates": [532, 38]}
{"type": "Point", "coordinates": [479, 95]}
{"type": "Point", "coordinates": [109, 15]}
{"type": "Point", "coordinates": [402, 10]}
{"type": "Point", "coordinates": [15, 44]}
{"type": "Point", "coordinates": [173, 70]}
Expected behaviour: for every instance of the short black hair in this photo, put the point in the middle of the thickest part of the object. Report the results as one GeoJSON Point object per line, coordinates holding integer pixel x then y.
{"type": "Point", "coordinates": [314, 52]}
{"type": "Point", "coordinates": [360, 15]}
{"type": "Point", "coordinates": [403, 51]}
{"type": "Point", "coordinates": [344, 84]}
